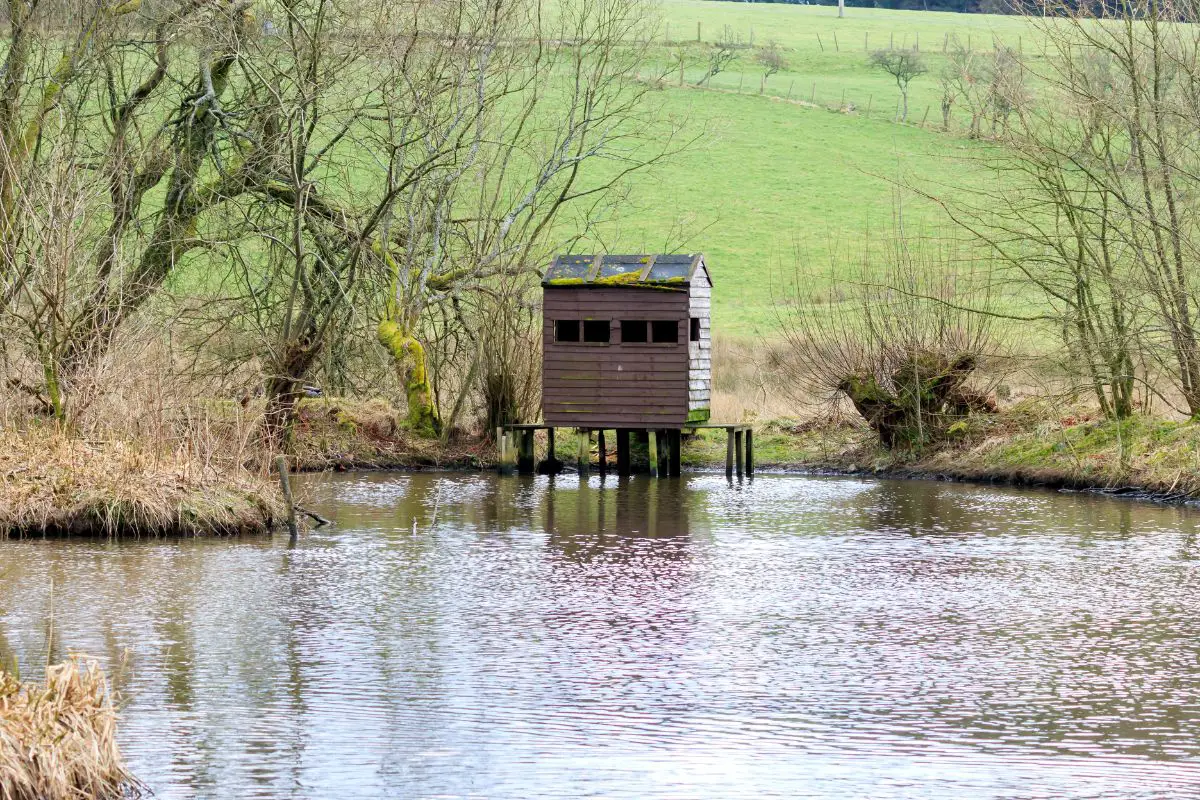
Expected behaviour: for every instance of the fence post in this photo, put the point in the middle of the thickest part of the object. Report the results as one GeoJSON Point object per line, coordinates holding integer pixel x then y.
{"type": "Point", "coordinates": [925, 117]}
{"type": "Point", "coordinates": [752, 36]}
{"type": "Point", "coordinates": [697, 30]}
{"type": "Point", "coordinates": [945, 42]}
{"type": "Point", "coordinates": [836, 49]}
{"type": "Point", "coordinates": [843, 105]}
{"type": "Point", "coordinates": [866, 41]}
{"type": "Point", "coordinates": [891, 40]}
{"type": "Point", "coordinates": [813, 97]}
{"type": "Point", "coordinates": [917, 46]}
{"type": "Point", "coordinates": [790, 85]}
{"type": "Point", "coordinates": [870, 99]}
{"type": "Point", "coordinates": [741, 79]}
{"type": "Point", "coordinates": [822, 44]}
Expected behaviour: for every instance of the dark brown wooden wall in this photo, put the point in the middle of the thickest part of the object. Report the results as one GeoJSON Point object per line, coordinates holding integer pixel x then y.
{"type": "Point", "coordinates": [614, 385]}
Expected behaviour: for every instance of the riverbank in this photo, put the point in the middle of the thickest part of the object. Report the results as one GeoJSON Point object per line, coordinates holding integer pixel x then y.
{"type": "Point", "coordinates": [1032, 443]}
{"type": "Point", "coordinates": [51, 484]}
{"type": "Point", "coordinates": [1026, 445]}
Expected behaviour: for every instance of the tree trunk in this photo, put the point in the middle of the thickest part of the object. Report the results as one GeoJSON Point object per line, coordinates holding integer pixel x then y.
{"type": "Point", "coordinates": [408, 356]}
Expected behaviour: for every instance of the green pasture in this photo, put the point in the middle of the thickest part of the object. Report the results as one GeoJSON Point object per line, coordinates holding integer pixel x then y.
{"type": "Point", "coordinates": [776, 184]}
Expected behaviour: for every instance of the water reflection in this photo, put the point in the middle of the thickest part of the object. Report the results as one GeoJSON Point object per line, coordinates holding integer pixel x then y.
{"type": "Point", "coordinates": [463, 635]}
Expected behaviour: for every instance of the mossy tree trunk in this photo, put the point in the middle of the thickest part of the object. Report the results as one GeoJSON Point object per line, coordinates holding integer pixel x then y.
{"type": "Point", "coordinates": [408, 356]}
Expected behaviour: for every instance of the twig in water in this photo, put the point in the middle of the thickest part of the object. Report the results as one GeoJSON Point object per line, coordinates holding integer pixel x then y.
{"type": "Point", "coordinates": [317, 518]}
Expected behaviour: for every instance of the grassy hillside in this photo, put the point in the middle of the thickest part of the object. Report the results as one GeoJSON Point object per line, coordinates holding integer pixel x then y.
{"type": "Point", "coordinates": [773, 178]}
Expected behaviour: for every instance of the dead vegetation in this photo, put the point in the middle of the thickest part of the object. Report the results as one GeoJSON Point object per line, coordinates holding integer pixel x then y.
{"type": "Point", "coordinates": [58, 737]}
{"type": "Point", "coordinates": [56, 484]}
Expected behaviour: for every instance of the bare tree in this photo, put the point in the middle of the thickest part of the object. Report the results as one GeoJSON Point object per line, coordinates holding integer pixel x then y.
{"type": "Point", "coordinates": [722, 54]}
{"type": "Point", "coordinates": [903, 66]}
{"type": "Point", "coordinates": [964, 81]}
{"type": "Point", "coordinates": [771, 60]}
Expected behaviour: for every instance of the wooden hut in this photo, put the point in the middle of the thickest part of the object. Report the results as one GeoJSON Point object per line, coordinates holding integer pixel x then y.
{"type": "Point", "coordinates": [627, 342]}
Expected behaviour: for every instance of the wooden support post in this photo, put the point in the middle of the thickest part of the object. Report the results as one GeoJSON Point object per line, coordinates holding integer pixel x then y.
{"type": "Point", "coordinates": [653, 453]}
{"type": "Point", "coordinates": [749, 452]}
{"type": "Point", "coordinates": [676, 446]}
{"type": "Point", "coordinates": [664, 454]}
{"type": "Point", "coordinates": [525, 462]}
{"type": "Point", "coordinates": [551, 456]}
{"type": "Point", "coordinates": [729, 452]}
{"type": "Point", "coordinates": [583, 457]}
{"type": "Point", "coordinates": [286, 486]}
{"type": "Point", "coordinates": [500, 449]}
{"type": "Point", "coordinates": [739, 440]}
{"type": "Point", "coordinates": [623, 460]}
{"type": "Point", "coordinates": [600, 445]}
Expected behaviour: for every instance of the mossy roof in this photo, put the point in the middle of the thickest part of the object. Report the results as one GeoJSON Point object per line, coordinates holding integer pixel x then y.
{"type": "Point", "coordinates": [666, 269]}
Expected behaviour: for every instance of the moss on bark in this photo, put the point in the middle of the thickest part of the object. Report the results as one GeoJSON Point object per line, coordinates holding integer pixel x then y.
{"type": "Point", "coordinates": [408, 355]}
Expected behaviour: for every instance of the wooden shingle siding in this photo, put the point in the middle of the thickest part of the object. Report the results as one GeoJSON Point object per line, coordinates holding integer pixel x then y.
{"type": "Point", "coordinates": [700, 353]}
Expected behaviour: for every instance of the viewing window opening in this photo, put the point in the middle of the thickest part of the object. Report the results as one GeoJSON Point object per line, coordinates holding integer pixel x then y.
{"type": "Point", "coordinates": [664, 331]}
{"type": "Point", "coordinates": [634, 330]}
{"type": "Point", "coordinates": [566, 330]}
{"type": "Point", "coordinates": [695, 333]}
{"type": "Point", "coordinates": [596, 330]}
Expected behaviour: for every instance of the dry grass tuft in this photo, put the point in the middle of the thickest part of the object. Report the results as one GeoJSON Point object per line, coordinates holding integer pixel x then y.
{"type": "Point", "coordinates": [55, 484]}
{"type": "Point", "coordinates": [58, 738]}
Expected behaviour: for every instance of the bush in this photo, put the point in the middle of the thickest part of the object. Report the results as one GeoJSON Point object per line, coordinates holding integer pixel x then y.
{"type": "Point", "coordinates": [901, 348]}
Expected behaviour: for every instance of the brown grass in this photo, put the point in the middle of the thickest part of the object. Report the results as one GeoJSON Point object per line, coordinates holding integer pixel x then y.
{"type": "Point", "coordinates": [58, 737]}
{"type": "Point", "coordinates": [54, 484]}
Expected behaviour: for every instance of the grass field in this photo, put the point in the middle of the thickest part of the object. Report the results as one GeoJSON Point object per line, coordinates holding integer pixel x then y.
{"type": "Point", "coordinates": [775, 178]}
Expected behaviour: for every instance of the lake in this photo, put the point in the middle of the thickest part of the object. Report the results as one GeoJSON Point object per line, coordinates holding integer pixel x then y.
{"type": "Point", "coordinates": [469, 635]}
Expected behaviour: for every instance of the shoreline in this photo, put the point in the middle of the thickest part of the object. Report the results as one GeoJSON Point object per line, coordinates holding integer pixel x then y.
{"type": "Point", "coordinates": [54, 485]}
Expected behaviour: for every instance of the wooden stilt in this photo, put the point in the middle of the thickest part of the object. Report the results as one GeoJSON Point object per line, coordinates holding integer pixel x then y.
{"type": "Point", "coordinates": [653, 448]}
{"type": "Point", "coordinates": [600, 445]}
{"type": "Point", "coordinates": [550, 450]}
{"type": "Point", "coordinates": [728, 452]}
{"type": "Point", "coordinates": [623, 461]}
{"type": "Point", "coordinates": [525, 462]}
{"type": "Point", "coordinates": [676, 446]}
{"type": "Point", "coordinates": [500, 449]}
{"type": "Point", "coordinates": [664, 454]}
{"type": "Point", "coordinates": [583, 458]}
{"type": "Point", "coordinates": [737, 448]}
{"type": "Point", "coordinates": [749, 452]}
{"type": "Point", "coordinates": [643, 437]}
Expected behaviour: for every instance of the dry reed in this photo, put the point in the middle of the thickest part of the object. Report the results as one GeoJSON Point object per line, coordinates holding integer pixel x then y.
{"type": "Point", "coordinates": [55, 484]}
{"type": "Point", "coordinates": [58, 737]}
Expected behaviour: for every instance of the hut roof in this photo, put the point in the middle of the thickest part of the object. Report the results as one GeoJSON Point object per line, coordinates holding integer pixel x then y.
{"type": "Point", "coordinates": [628, 270]}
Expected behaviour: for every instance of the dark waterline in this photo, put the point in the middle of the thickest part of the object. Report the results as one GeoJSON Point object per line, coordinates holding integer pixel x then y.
{"type": "Point", "coordinates": [794, 637]}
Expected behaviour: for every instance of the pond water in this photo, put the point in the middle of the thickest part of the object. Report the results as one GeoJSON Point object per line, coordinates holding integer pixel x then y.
{"type": "Point", "coordinates": [475, 636]}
